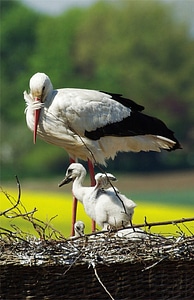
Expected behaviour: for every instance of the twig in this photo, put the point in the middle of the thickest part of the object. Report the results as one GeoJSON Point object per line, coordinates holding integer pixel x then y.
{"type": "Point", "coordinates": [17, 211]}
{"type": "Point", "coordinates": [19, 187]}
{"type": "Point", "coordinates": [54, 231]}
{"type": "Point", "coordinates": [12, 234]}
{"type": "Point", "coordinates": [73, 263]}
{"type": "Point", "coordinates": [188, 229]}
{"type": "Point", "coordinates": [173, 222]}
{"type": "Point", "coordinates": [18, 200]}
{"type": "Point", "coordinates": [21, 215]}
{"type": "Point", "coordinates": [153, 265]}
{"type": "Point", "coordinates": [99, 280]}
{"type": "Point", "coordinates": [115, 191]}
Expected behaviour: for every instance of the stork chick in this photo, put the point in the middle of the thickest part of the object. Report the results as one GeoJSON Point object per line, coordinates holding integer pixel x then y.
{"type": "Point", "coordinates": [103, 206]}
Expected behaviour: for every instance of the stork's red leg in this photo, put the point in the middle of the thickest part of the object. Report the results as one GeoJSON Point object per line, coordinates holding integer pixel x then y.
{"type": "Point", "coordinates": [93, 182]}
{"type": "Point", "coordinates": [74, 208]}
{"type": "Point", "coordinates": [74, 213]}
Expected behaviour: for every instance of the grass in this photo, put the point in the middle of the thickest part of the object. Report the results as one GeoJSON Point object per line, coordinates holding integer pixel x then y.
{"type": "Point", "coordinates": [51, 204]}
{"type": "Point", "coordinates": [176, 198]}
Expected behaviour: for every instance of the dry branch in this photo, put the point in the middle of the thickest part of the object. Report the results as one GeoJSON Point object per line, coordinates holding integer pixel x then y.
{"type": "Point", "coordinates": [44, 229]}
{"type": "Point", "coordinates": [100, 281]}
{"type": "Point", "coordinates": [146, 224]}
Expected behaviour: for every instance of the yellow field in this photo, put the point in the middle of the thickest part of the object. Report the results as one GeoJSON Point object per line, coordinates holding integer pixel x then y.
{"type": "Point", "coordinates": [50, 205]}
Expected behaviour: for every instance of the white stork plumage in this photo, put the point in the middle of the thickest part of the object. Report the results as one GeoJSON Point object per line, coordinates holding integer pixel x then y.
{"type": "Point", "coordinates": [79, 227]}
{"type": "Point", "coordinates": [133, 234]}
{"type": "Point", "coordinates": [103, 180]}
{"type": "Point", "coordinates": [103, 206]}
{"type": "Point", "coordinates": [92, 125]}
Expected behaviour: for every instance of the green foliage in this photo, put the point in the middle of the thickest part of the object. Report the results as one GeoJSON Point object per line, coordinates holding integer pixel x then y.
{"type": "Point", "coordinates": [132, 47]}
{"type": "Point", "coordinates": [17, 43]}
{"type": "Point", "coordinates": [54, 46]}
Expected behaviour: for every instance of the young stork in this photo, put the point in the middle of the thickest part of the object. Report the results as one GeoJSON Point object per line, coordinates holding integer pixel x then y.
{"type": "Point", "coordinates": [133, 234]}
{"type": "Point", "coordinates": [79, 227]}
{"type": "Point", "coordinates": [92, 125]}
{"type": "Point", "coordinates": [103, 180]}
{"type": "Point", "coordinates": [103, 206]}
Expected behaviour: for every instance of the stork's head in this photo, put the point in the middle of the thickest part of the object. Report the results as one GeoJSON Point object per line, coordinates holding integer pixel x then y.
{"type": "Point", "coordinates": [75, 170]}
{"type": "Point", "coordinates": [79, 227]}
{"type": "Point", "coordinates": [103, 180]}
{"type": "Point", "coordinates": [40, 87]}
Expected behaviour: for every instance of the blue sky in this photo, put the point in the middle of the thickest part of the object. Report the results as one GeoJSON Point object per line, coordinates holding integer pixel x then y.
{"type": "Point", "coordinates": [55, 7]}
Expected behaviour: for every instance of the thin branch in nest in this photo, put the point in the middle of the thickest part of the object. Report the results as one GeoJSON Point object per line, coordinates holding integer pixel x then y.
{"type": "Point", "coordinates": [180, 230]}
{"type": "Point", "coordinates": [154, 264]}
{"type": "Point", "coordinates": [19, 210]}
{"type": "Point", "coordinates": [99, 280]}
{"type": "Point", "coordinates": [19, 187]}
{"type": "Point", "coordinates": [172, 222]}
{"type": "Point", "coordinates": [19, 231]}
{"type": "Point", "coordinates": [152, 224]}
{"type": "Point", "coordinates": [188, 229]}
{"type": "Point", "coordinates": [15, 206]}
{"type": "Point", "coordinates": [8, 197]}
{"type": "Point", "coordinates": [53, 230]}
{"type": "Point", "coordinates": [10, 234]}
{"type": "Point", "coordinates": [73, 263]}
{"type": "Point", "coordinates": [21, 215]}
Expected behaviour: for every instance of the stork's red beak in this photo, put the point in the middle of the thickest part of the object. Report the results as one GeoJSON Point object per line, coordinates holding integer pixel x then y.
{"type": "Point", "coordinates": [36, 120]}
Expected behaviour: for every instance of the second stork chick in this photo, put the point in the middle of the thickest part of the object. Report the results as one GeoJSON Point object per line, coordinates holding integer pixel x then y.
{"type": "Point", "coordinates": [104, 206]}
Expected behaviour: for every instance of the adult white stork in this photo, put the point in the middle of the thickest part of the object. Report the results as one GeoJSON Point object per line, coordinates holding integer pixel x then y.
{"type": "Point", "coordinates": [102, 205]}
{"type": "Point", "coordinates": [92, 125]}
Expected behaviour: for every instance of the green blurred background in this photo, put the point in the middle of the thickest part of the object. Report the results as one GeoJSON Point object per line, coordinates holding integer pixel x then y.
{"type": "Point", "coordinates": [142, 49]}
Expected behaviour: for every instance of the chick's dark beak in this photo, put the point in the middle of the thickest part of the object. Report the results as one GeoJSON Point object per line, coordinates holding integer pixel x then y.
{"type": "Point", "coordinates": [66, 180]}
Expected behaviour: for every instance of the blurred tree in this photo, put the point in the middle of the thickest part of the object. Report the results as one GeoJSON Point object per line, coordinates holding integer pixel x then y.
{"type": "Point", "coordinates": [55, 40]}
{"type": "Point", "coordinates": [136, 48]}
{"type": "Point", "coordinates": [17, 44]}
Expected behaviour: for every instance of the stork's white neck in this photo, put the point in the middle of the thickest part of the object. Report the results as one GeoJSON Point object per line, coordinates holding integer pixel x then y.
{"type": "Point", "coordinates": [78, 189]}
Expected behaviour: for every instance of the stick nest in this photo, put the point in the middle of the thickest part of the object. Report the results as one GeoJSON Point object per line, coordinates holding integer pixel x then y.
{"type": "Point", "coordinates": [52, 248]}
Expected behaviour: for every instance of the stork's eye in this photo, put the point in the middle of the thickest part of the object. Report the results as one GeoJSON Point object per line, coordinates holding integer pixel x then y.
{"type": "Point", "coordinates": [69, 172]}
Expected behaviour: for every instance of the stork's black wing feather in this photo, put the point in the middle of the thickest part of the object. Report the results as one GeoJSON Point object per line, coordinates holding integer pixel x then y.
{"type": "Point", "coordinates": [136, 124]}
{"type": "Point", "coordinates": [126, 102]}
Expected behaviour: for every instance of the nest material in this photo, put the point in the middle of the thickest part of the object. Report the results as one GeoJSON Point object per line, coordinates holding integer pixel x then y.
{"type": "Point", "coordinates": [103, 248]}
